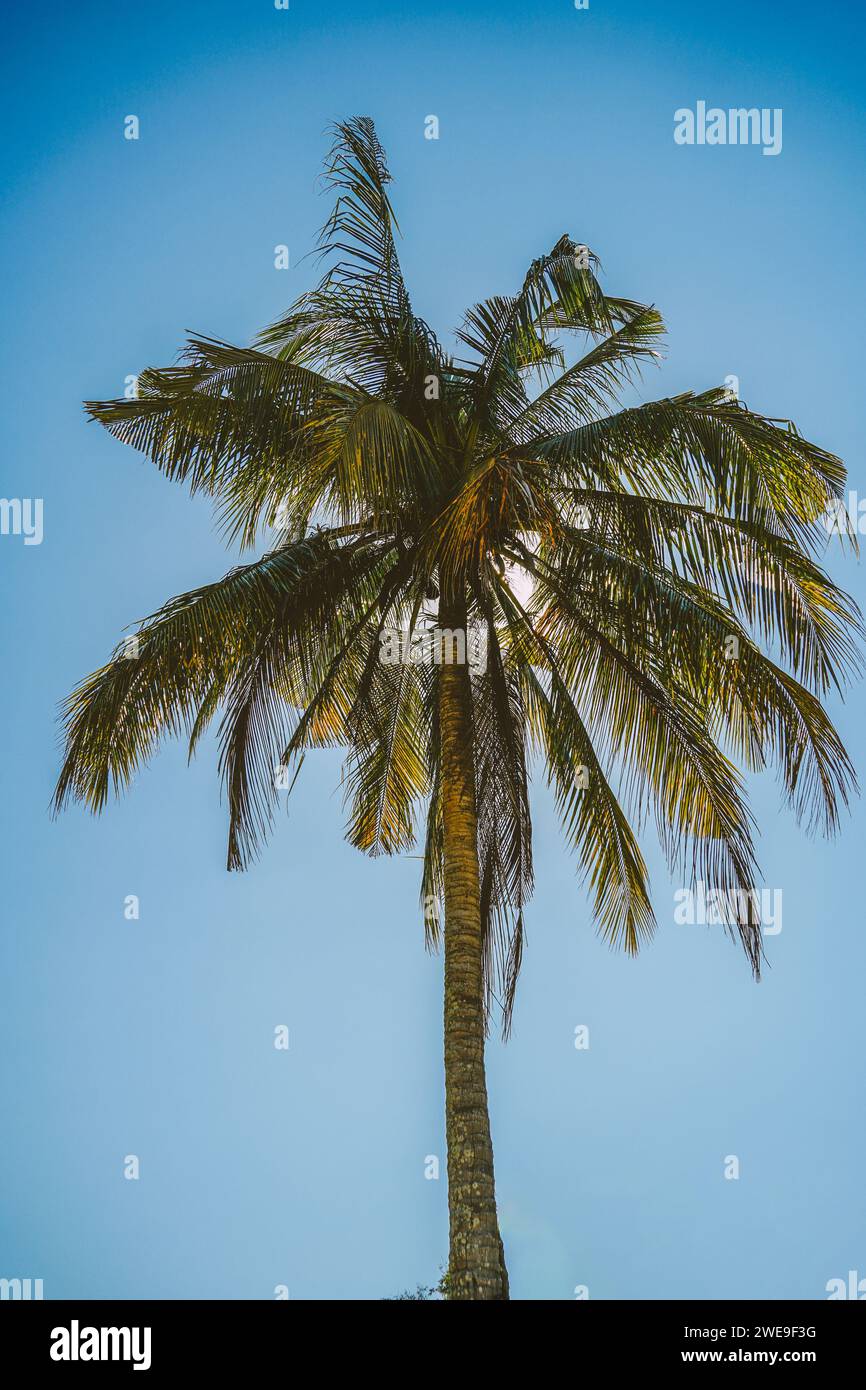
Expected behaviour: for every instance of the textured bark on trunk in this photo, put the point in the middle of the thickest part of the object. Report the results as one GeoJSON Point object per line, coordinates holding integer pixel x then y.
{"type": "Point", "coordinates": [476, 1266]}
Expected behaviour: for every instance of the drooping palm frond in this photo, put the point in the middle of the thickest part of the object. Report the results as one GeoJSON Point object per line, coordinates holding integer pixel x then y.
{"type": "Point", "coordinates": [504, 823]}
{"type": "Point", "coordinates": [704, 449]}
{"type": "Point", "coordinates": [255, 645]}
{"type": "Point", "coordinates": [386, 776]}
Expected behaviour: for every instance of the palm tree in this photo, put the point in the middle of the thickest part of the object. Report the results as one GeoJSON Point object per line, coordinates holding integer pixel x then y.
{"type": "Point", "coordinates": [645, 581]}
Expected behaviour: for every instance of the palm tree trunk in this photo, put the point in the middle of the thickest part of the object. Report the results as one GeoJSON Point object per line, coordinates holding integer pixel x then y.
{"type": "Point", "coordinates": [476, 1267]}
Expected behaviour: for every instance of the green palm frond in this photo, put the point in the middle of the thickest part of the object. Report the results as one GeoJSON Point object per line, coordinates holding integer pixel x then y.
{"type": "Point", "coordinates": [362, 225]}
{"type": "Point", "coordinates": [386, 776]}
{"type": "Point", "coordinates": [707, 450]}
{"type": "Point", "coordinates": [504, 821]}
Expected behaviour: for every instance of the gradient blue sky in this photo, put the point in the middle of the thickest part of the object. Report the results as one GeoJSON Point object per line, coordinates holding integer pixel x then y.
{"type": "Point", "coordinates": [154, 1037]}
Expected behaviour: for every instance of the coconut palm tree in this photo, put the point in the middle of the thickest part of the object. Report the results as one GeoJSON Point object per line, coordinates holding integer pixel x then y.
{"type": "Point", "coordinates": [643, 582]}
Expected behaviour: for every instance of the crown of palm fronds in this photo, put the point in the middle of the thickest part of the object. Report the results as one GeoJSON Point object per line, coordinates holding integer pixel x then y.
{"type": "Point", "coordinates": [396, 472]}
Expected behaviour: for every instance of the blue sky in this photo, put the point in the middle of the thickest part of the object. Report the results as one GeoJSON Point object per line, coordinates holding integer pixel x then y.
{"type": "Point", "coordinates": [155, 1037]}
